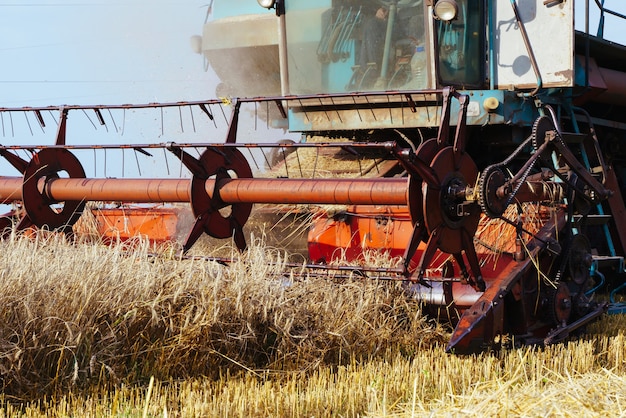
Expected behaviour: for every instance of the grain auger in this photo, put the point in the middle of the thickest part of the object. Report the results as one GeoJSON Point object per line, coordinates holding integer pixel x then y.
{"type": "Point", "coordinates": [537, 292]}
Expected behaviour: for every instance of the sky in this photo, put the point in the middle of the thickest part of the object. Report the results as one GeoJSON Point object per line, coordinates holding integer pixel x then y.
{"type": "Point", "coordinates": [101, 52]}
{"type": "Point", "coordinates": [88, 52]}
{"type": "Point", "coordinates": [613, 25]}
{"type": "Point", "coordinates": [56, 52]}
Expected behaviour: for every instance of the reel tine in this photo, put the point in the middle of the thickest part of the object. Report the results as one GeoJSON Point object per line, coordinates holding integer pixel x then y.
{"type": "Point", "coordinates": [193, 122]}
{"type": "Point", "coordinates": [28, 123]}
{"type": "Point", "coordinates": [180, 116]}
{"type": "Point", "coordinates": [113, 120]}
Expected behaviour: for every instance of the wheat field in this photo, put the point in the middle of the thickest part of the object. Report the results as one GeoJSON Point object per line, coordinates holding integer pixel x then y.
{"type": "Point", "coordinates": [96, 330]}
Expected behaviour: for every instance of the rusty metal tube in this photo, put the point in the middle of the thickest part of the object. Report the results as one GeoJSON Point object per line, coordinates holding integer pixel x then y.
{"type": "Point", "coordinates": [10, 189]}
{"type": "Point", "coordinates": [535, 191]}
{"type": "Point", "coordinates": [385, 191]}
{"type": "Point", "coordinates": [392, 191]}
{"type": "Point", "coordinates": [130, 190]}
{"type": "Point", "coordinates": [312, 191]}
{"type": "Point", "coordinates": [125, 190]}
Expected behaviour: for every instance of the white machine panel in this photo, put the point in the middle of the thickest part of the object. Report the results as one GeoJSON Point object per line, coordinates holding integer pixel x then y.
{"type": "Point", "coordinates": [551, 34]}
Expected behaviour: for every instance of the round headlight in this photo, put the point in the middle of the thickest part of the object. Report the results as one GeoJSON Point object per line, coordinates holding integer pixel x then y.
{"type": "Point", "coordinates": [268, 4]}
{"type": "Point", "coordinates": [446, 10]}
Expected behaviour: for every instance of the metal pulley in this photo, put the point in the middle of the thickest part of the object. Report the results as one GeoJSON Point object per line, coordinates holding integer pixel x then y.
{"type": "Point", "coordinates": [41, 208]}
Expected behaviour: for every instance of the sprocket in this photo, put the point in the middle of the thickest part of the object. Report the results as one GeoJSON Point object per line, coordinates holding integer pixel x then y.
{"type": "Point", "coordinates": [541, 127]}
{"type": "Point", "coordinates": [580, 259]}
{"type": "Point", "coordinates": [491, 179]}
{"type": "Point", "coordinates": [560, 304]}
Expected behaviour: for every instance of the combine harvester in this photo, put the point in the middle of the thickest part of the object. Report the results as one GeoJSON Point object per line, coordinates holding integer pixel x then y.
{"type": "Point", "coordinates": [462, 118]}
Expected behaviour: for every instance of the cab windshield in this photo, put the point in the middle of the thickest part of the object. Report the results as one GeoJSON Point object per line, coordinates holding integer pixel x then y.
{"type": "Point", "coordinates": [460, 46]}
{"type": "Point", "coordinates": [336, 46]}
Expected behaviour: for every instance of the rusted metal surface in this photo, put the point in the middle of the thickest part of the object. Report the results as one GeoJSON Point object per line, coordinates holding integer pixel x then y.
{"type": "Point", "coordinates": [48, 164]}
{"type": "Point", "coordinates": [385, 191]}
{"type": "Point", "coordinates": [10, 189]}
{"type": "Point", "coordinates": [483, 321]}
{"type": "Point", "coordinates": [392, 191]}
{"type": "Point", "coordinates": [120, 190]}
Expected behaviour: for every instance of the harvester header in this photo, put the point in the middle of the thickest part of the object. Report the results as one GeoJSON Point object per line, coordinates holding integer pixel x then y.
{"type": "Point", "coordinates": [478, 141]}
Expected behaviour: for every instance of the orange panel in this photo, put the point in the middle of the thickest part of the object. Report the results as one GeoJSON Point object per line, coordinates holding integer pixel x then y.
{"type": "Point", "coordinates": [360, 229]}
{"type": "Point", "coordinates": [157, 223]}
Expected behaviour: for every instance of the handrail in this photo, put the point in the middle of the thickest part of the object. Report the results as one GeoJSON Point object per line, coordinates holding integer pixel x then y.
{"type": "Point", "coordinates": [600, 31]}
{"type": "Point", "coordinates": [603, 10]}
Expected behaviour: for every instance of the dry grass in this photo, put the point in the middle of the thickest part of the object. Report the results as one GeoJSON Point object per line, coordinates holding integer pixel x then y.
{"type": "Point", "coordinates": [75, 316]}
{"type": "Point", "coordinates": [496, 236]}
{"type": "Point", "coordinates": [106, 331]}
{"type": "Point", "coordinates": [325, 161]}
{"type": "Point", "coordinates": [583, 378]}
